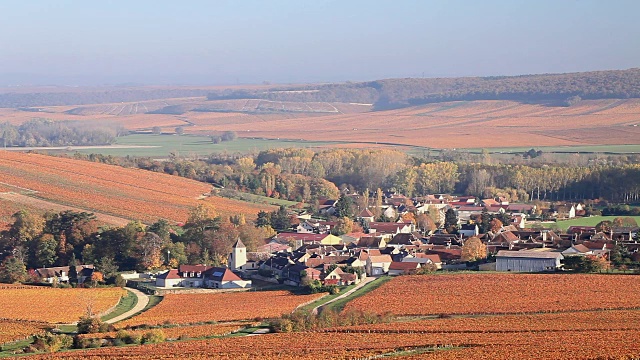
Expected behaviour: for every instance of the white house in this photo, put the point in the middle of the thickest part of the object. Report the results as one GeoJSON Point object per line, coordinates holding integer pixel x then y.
{"type": "Point", "coordinates": [170, 278]}
{"type": "Point", "coordinates": [577, 250]}
{"type": "Point", "coordinates": [224, 278]}
{"type": "Point", "coordinates": [378, 265]}
{"type": "Point", "coordinates": [469, 230]}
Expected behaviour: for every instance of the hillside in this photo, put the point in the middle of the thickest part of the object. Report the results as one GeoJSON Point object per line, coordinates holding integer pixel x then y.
{"type": "Point", "coordinates": [394, 93]}
{"type": "Point", "coordinates": [117, 194]}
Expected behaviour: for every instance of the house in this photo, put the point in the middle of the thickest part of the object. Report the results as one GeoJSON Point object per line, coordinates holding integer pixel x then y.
{"type": "Point", "coordinates": [327, 206]}
{"type": "Point", "coordinates": [403, 268]}
{"type": "Point", "coordinates": [341, 278]}
{"type": "Point", "coordinates": [296, 274]}
{"type": "Point", "coordinates": [192, 275]}
{"type": "Point", "coordinates": [469, 230]}
{"type": "Point", "coordinates": [390, 228]}
{"type": "Point", "coordinates": [306, 227]}
{"type": "Point", "coordinates": [60, 274]}
{"type": "Point", "coordinates": [566, 212]}
{"type": "Point", "coordinates": [378, 264]}
{"type": "Point", "coordinates": [577, 250]}
{"type": "Point", "coordinates": [170, 278]}
{"type": "Point", "coordinates": [372, 242]}
{"type": "Point", "coordinates": [366, 215]}
{"type": "Point", "coordinates": [423, 259]}
{"type": "Point", "coordinates": [224, 278]}
{"type": "Point", "coordinates": [528, 261]}
{"type": "Point", "coordinates": [390, 212]}
{"type": "Point", "coordinates": [402, 240]}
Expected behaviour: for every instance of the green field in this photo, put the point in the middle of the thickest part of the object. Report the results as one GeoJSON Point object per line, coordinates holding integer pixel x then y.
{"type": "Point", "coordinates": [586, 221]}
{"type": "Point", "coordinates": [187, 145]}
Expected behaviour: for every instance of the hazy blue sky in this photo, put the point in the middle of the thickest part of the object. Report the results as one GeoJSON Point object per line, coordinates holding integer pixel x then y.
{"type": "Point", "coordinates": [223, 42]}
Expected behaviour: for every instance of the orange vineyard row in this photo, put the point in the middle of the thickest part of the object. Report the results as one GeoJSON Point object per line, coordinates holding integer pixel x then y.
{"type": "Point", "coordinates": [55, 305]}
{"type": "Point", "coordinates": [193, 308]}
{"type": "Point", "coordinates": [501, 293]}
{"type": "Point", "coordinates": [12, 330]}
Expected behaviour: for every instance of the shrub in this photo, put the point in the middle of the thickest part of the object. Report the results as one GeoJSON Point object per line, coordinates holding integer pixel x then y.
{"type": "Point", "coordinates": [153, 337]}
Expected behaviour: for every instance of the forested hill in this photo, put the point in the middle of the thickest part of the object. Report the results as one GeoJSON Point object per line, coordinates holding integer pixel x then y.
{"type": "Point", "coordinates": [93, 96]}
{"type": "Point", "coordinates": [557, 89]}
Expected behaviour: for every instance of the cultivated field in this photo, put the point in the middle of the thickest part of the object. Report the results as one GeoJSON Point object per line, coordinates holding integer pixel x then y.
{"type": "Point", "coordinates": [131, 194]}
{"type": "Point", "coordinates": [461, 124]}
{"type": "Point", "coordinates": [617, 344]}
{"type": "Point", "coordinates": [13, 330]}
{"type": "Point", "coordinates": [220, 307]}
{"type": "Point", "coordinates": [55, 305]}
{"type": "Point", "coordinates": [501, 294]}
{"type": "Point", "coordinates": [194, 331]}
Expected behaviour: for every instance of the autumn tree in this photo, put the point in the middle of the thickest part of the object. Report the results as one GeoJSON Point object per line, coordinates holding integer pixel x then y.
{"type": "Point", "coordinates": [495, 225]}
{"type": "Point", "coordinates": [343, 226]}
{"type": "Point", "coordinates": [473, 250]}
{"type": "Point", "coordinates": [604, 226]}
{"type": "Point", "coordinates": [377, 209]}
{"type": "Point", "coordinates": [150, 251]}
{"type": "Point", "coordinates": [425, 223]}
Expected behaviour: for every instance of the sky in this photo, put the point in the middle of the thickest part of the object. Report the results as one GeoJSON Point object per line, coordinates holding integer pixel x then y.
{"type": "Point", "coordinates": [222, 42]}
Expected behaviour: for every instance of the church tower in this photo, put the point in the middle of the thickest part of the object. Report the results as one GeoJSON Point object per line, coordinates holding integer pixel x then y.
{"type": "Point", "coordinates": [238, 256]}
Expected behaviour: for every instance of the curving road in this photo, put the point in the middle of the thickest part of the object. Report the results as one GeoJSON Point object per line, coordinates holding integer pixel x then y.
{"type": "Point", "coordinates": [143, 300]}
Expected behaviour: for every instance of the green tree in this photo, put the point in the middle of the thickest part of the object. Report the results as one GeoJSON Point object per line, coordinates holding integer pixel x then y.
{"type": "Point", "coordinates": [344, 206]}
{"type": "Point", "coordinates": [46, 250]}
{"type": "Point", "coordinates": [451, 221]}
{"type": "Point", "coordinates": [264, 219]}
{"type": "Point", "coordinates": [161, 228]}
{"type": "Point", "coordinates": [13, 270]}
{"type": "Point", "coordinates": [280, 219]}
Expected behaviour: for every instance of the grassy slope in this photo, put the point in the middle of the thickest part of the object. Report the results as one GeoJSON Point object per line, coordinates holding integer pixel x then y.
{"type": "Point", "coordinates": [126, 303]}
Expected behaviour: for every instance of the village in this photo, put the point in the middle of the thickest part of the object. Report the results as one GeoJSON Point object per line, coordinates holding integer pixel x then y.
{"type": "Point", "coordinates": [311, 252]}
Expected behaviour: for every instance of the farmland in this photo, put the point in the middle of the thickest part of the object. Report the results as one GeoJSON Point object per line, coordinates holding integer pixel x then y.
{"type": "Point", "coordinates": [12, 330]}
{"type": "Point", "coordinates": [55, 305]}
{"type": "Point", "coordinates": [584, 221]}
{"type": "Point", "coordinates": [461, 124]}
{"type": "Point", "coordinates": [519, 293]}
{"type": "Point", "coordinates": [220, 307]}
{"type": "Point", "coordinates": [111, 190]}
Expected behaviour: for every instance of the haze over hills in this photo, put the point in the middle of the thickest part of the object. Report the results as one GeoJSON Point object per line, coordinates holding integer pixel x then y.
{"type": "Point", "coordinates": [553, 89]}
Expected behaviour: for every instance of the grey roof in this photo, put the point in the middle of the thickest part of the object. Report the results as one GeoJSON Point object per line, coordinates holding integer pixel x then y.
{"type": "Point", "coordinates": [530, 254]}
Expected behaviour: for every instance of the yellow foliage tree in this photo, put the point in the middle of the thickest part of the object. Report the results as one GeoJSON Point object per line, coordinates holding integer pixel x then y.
{"type": "Point", "coordinates": [473, 249]}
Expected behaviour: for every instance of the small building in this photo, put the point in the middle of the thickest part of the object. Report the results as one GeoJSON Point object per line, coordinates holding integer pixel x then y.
{"type": "Point", "coordinates": [169, 278]}
{"type": "Point", "coordinates": [60, 274]}
{"type": "Point", "coordinates": [224, 278]}
{"type": "Point", "coordinates": [577, 250]}
{"type": "Point", "coordinates": [528, 261]}
{"type": "Point", "coordinates": [403, 268]}
{"type": "Point", "coordinates": [469, 230]}
{"type": "Point", "coordinates": [378, 265]}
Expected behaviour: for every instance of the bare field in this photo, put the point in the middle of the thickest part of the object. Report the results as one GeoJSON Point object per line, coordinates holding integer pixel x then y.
{"type": "Point", "coordinates": [461, 124]}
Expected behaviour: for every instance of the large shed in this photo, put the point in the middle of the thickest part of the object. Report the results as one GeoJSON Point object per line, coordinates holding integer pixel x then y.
{"type": "Point", "coordinates": [528, 261]}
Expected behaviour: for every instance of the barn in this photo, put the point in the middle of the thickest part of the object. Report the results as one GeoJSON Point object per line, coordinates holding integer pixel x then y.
{"type": "Point", "coordinates": [528, 261]}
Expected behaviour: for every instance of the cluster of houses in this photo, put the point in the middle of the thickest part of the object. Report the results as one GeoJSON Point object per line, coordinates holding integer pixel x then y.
{"type": "Point", "coordinates": [309, 251]}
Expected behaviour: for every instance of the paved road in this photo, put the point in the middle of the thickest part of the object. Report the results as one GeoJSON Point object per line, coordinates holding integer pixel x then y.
{"type": "Point", "coordinates": [143, 300]}
{"type": "Point", "coordinates": [362, 283]}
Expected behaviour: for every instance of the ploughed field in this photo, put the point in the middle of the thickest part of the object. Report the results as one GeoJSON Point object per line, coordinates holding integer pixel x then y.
{"type": "Point", "coordinates": [458, 124]}
{"type": "Point", "coordinates": [46, 182]}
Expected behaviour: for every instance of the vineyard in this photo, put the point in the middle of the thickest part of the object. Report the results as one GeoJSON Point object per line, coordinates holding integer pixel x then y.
{"type": "Point", "coordinates": [195, 331]}
{"type": "Point", "coordinates": [193, 308]}
{"type": "Point", "coordinates": [55, 305]}
{"type": "Point", "coordinates": [616, 344]}
{"type": "Point", "coordinates": [126, 193]}
{"type": "Point", "coordinates": [519, 293]}
{"type": "Point", "coordinates": [12, 330]}
{"type": "Point", "coordinates": [458, 124]}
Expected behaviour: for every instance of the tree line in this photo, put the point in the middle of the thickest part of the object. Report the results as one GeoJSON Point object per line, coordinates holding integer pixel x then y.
{"type": "Point", "coordinates": [44, 132]}
{"type": "Point", "coordinates": [305, 175]}
{"type": "Point", "coordinates": [555, 89]}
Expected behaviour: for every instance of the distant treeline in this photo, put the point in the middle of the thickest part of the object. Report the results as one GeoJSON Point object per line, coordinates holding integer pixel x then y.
{"type": "Point", "coordinates": [43, 132]}
{"type": "Point", "coordinates": [554, 89]}
{"type": "Point", "coordinates": [102, 96]}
